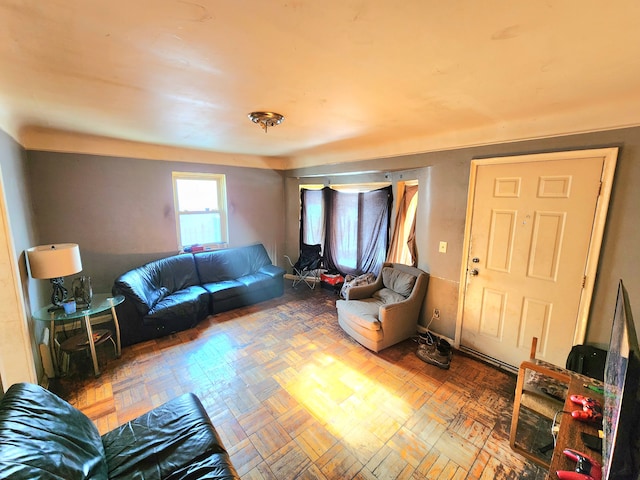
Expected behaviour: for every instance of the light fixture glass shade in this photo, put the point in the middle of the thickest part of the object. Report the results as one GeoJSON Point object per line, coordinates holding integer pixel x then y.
{"type": "Point", "coordinates": [54, 261]}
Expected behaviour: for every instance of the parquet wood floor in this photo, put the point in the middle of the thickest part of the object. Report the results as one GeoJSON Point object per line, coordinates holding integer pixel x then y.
{"type": "Point", "coordinates": [292, 396]}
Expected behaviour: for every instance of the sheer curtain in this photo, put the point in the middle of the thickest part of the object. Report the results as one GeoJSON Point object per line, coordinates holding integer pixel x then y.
{"type": "Point", "coordinates": [355, 230]}
{"type": "Point", "coordinates": [312, 217]}
{"type": "Point", "coordinates": [403, 247]}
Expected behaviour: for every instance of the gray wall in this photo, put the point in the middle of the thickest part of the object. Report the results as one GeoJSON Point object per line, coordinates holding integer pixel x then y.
{"type": "Point", "coordinates": [444, 182]}
{"type": "Point", "coordinates": [120, 210]}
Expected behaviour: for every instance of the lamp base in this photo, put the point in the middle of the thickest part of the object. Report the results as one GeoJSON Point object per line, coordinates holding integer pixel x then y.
{"type": "Point", "coordinates": [59, 293]}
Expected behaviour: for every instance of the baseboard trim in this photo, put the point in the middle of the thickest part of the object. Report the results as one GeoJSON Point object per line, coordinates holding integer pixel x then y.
{"type": "Point", "coordinates": [490, 360]}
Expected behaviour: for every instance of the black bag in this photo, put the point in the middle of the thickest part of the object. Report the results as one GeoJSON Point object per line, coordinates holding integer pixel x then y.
{"type": "Point", "coordinates": [587, 360]}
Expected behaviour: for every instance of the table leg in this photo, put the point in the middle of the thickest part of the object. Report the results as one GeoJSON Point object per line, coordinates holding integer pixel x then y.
{"type": "Point", "coordinates": [117, 325]}
{"type": "Point", "coordinates": [52, 347]}
{"type": "Point", "coordinates": [92, 345]}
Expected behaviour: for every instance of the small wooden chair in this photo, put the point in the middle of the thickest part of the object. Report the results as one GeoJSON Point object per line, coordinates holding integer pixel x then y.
{"type": "Point", "coordinates": [536, 381]}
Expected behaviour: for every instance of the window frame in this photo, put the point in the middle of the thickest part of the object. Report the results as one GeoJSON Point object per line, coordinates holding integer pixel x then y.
{"type": "Point", "coordinates": [221, 193]}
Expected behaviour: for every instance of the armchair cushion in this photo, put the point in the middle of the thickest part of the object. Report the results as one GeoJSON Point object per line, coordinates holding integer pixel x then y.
{"type": "Point", "coordinates": [364, 313]}
{"type": "Point", "coordinates": [398, 281]}
{"type": "Point", "coordinates": [388, 296]}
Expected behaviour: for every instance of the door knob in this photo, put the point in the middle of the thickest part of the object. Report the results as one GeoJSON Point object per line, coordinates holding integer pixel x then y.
{"type": "Point", "coordinates": [473, 272]}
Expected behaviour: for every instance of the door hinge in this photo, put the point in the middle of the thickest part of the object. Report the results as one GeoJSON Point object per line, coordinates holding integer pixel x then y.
{"type": "Point", "coordinates": [584, 281]}
{"type": "Point", "coordinates": [600, 189]}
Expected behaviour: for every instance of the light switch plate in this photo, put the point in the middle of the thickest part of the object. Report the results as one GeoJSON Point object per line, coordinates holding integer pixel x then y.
{"type": "Point", "coordinates": [443, 247]}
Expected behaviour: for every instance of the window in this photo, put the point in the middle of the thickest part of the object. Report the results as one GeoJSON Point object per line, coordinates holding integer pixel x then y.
{"type": "Point", "coordinates": [352, 224]}
{"type": "Point", "coordinates": [313, 215]}
{"type": "Point", "coordinates": [200, 201]}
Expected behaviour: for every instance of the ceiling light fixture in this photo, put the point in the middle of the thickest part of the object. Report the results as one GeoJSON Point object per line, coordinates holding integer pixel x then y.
{"type": "Point", "coordinates": [266, 119]}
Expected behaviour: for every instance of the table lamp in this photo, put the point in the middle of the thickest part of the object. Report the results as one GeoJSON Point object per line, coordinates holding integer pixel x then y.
{"type": "Point", "coordinates": [53, 262]}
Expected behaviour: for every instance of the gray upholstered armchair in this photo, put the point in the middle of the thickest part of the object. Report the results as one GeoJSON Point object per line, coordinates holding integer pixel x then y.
{"type": "Point", "coordinates": [386, 312]}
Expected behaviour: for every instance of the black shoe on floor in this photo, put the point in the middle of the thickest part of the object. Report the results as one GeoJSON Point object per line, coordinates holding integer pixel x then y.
{"type": "Point", "coordinates": [432, 355]}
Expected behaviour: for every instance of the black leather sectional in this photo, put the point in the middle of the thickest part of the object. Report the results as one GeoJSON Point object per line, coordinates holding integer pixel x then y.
{"type": "Point", "coordinates": [175, 293]}
{"type": "Point", "coordinates": [44, 437]}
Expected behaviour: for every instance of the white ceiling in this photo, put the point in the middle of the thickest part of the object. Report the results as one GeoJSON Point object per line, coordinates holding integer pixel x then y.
{"type": "Point", "coordinates": [355, 79]}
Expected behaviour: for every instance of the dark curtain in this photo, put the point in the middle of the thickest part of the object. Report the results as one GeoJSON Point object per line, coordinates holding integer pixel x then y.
{"type": "Point", "coordinates": [356, 228]}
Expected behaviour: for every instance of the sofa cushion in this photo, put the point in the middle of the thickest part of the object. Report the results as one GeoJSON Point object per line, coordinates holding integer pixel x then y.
{"type": "Point", "coordinates": [189, 303]}
{"type": "Point", "coordinates": [175, 440]}
{"type": "Point", "coordinates": [230, 263]}
{"type": "Point", "coordinates": [256, 280]}
{"type": "Point", "coordinates": [386, 296]}
{"type": "Point", "coordinates": [42, 436]}
{"type": "Point", "coordinates": [225, 289]}
{"type": "Point", "coordinates": [399, 282]}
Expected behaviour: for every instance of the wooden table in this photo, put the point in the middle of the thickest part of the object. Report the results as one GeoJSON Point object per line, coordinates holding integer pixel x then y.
{"type": "Point", "coordinates": [571, 429]}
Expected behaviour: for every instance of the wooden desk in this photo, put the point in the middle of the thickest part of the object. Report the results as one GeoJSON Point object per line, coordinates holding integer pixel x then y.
{"type": "Point", "coordinates": [570, 430]}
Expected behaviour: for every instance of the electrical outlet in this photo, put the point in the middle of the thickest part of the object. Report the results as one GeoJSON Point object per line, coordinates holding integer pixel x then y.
{"type": "Point", "coordinates": [436, 313]}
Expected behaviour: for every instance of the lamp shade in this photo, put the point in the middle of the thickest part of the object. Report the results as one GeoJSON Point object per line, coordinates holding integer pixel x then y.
{"type": "Point", "coordinates": [54, 261]}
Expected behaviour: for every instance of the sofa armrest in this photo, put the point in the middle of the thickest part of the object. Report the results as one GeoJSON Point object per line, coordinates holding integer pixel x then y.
{"type": "Point", "coordinates": [272, 270]}
{"type": "Point", "coordinates": [138, 288]}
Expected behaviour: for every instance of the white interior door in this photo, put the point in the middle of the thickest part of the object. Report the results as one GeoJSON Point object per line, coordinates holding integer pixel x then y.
{"type": "Point", "coordinates": [529, 243]}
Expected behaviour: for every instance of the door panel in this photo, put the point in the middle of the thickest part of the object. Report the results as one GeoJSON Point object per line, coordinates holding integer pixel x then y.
{"type": "Point", "coordinates": [529, 243]}
{"type": "Point", "coordinates": [544, 258]}
{"type": "Point", "coordinates": [501, 239]}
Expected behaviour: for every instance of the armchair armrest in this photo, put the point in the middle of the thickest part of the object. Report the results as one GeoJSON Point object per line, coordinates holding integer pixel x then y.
{"type": "Point", "coordinates": [399, 320]}
{"type": "Point", "coordinates": [359, 292]}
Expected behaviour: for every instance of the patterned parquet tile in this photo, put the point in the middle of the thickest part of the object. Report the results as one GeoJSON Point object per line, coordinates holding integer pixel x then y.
{"type": "Point", "coordinates": [292, 396]}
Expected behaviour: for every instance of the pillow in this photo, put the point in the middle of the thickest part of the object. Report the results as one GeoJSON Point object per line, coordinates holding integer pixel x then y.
{"type": "Point", "coordinates": [351, 281]}
{"type": "Point", "coordinates": [399, 282]}
{"type": "Point", "coordinates": [386, 295]}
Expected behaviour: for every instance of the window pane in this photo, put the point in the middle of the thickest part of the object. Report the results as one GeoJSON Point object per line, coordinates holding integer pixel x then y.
{"type": "Point", "coordinates": [196, 195]}
{"type": "Point", "coordinates": [345, 224]}
{"type": "Point", "coordinates": [200, 228]}
{"type": "Point", "coordinates": [313, 218]}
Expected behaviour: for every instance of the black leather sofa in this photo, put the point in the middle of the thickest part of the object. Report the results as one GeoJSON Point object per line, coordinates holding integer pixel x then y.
{"type": "Point", "coordinates": [175, 293]}
{"type": "Point", "coordinates": [44, 437]}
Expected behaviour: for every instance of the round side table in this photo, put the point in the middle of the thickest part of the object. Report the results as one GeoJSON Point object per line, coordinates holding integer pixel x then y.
{"type": "Point", "coordinates": [56, 316]}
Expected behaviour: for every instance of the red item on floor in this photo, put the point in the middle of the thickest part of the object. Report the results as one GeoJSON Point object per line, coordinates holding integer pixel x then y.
{"type": "Point", "coordinates": [331, 279]}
